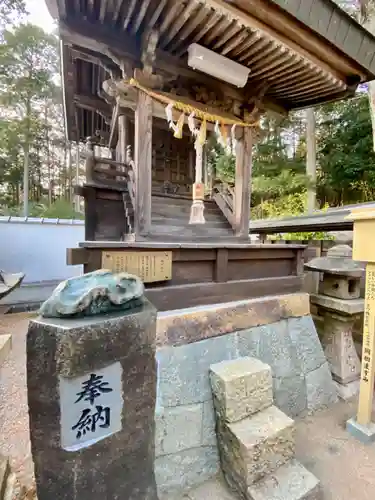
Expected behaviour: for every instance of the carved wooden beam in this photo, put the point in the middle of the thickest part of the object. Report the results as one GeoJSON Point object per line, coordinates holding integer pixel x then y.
{"type": "Point", "coordinates": [98, 38]}
{"type": "Point", "coordinates": [149, 44]}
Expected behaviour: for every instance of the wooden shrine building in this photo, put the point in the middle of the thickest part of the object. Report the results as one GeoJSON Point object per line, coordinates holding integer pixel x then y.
{"type": "Point", "coordinates": [148, 82]}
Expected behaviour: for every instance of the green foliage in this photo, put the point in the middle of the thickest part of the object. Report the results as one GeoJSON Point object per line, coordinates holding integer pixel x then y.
{"type": "Point", "coordinates": [60, 209]}
{"type": "Point", "coordinates": [346, 156]}
{"type": "Point", "coordinates": [11, 10]}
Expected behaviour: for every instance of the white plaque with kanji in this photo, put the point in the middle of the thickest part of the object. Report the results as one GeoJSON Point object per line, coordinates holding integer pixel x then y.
{"type": "Point", "coordinates": [91, 407]}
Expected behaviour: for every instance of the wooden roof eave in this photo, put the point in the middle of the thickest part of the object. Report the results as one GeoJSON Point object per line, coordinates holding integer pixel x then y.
{"type": "Point", "coordinates": [105, 42]}
{"type": "Point", "coordinates": [320, 27]}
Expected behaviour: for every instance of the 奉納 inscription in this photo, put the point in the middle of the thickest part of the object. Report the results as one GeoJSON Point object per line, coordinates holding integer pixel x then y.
{"type": "Point", "coordinates": [91, 407]}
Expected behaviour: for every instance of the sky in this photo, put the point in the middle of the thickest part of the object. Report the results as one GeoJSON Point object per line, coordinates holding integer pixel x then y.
{"type": "Point", "coordinates": [39, 14]}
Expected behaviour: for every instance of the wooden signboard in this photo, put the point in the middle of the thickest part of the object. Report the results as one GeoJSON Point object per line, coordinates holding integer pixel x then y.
{"type": "Point", "coordinates": [150, 266]}
{"type": "Point", "coordinates": [368, 350]}
{"type": "Point", "coordinates": [364, 250]}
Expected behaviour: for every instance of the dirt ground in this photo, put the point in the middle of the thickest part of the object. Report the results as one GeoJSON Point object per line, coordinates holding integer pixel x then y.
{"type": "Point", "coordinates": [345, 467]}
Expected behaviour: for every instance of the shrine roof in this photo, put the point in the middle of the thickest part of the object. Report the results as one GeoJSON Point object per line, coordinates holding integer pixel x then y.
{"type": "Point", "coordinates": [300, 53]}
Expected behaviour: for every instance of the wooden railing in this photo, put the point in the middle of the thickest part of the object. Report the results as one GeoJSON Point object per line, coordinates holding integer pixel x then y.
{"type": "Point", "coordinates": [107, 173]}
{"type": "Point", "coordinates": [223, 195]}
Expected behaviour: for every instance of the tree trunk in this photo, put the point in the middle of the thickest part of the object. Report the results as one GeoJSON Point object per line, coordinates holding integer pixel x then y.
{"type": "Point", "coordinates": [311, 159]}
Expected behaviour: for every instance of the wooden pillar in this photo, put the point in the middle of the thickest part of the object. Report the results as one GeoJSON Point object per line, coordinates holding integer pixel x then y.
{"type": "Point", "coordinates": [243, 179]}
{"type": "Point", "coordinates": [123, 137]}
{"type": "Point", "coordinates": [143, 164]}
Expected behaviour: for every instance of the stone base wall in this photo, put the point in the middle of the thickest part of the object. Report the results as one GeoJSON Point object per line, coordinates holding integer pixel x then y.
{"type": "Point", "coordinates": [277, 330]}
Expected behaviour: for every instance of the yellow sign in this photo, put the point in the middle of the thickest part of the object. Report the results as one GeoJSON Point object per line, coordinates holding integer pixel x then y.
{"type": "Point", "coordinates": [368, 350]}
{"type": "Point", "coordinates": [364, 250]}
{"type": "Point", "coordinates": [151, 267]}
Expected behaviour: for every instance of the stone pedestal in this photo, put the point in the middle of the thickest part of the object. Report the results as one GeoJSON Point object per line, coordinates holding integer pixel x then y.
{"type": "Point", "coordinates": [339, 347]}
{"type": "Point", "coordinates": [92, 393]}
{"type": "Point", "coordinates": [338, 304]}
{"type": "Point", "coordinates": [339, 316]}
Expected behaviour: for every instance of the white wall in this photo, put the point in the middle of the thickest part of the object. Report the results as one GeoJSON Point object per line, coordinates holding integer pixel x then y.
{"type": "Point", "coordinates": [37, 247]}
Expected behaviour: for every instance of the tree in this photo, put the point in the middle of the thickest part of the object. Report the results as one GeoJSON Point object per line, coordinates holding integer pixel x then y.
{"type": "Point", "coordinates": [10, 9]}
{"type": "Point", "coordinates": [346, 156]}
{"type": "Point", "coordinates": [29, 64]}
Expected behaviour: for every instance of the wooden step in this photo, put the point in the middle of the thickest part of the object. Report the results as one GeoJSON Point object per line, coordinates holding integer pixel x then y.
{"type": "Point", "coordinates": [184, 222]}
{"type": "Point", "coordinates": [190, 230]}
{"type": "Point", "coordinates": [181, 202]}
{"type": "Point", "coordinates": [157, 237]}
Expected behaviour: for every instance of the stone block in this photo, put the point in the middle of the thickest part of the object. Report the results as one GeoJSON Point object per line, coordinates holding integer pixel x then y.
{"type": "Point", "coordinates": [159, 431]}
{"type": "Point", "coordinates": [216, 489]}
{"type": "Point", "coordinates": [91, 394]}
{"type": "Point", "coordinates": [201, 322]}
{"type": "Point", "coordinates": [290, 394]}
{"type": "Point", "coordinates": [256, 446]}
{"type": "Point", "coordinates": [341, 287]}
{"type": "Point", "coordinates": [306, 341]}
{"type": "Point", "coordinates": [277, 350]}
{"type": "Point", "coordinates": [179, 429]}
{"type": "Point", "coordinates": [349, 307]}
{"type": "Point", "coordinates": [248, 342]}
{"type": "Point", "coordinates": [321, 390]}
{"type": "Point", "coordinates": [241, 388]}
{"type": "Point", "coordinates": [209, 425]}
{"type": "Point", "coordinates": [290, 482]}
{"type": "Point", "coordinates": [186, 469]}
{"type": "Point", "coordinates": [184, 371]}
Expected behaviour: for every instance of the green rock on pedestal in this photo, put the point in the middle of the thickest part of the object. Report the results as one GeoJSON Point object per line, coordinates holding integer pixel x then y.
{"type": "Point", "coordinates": [96, 293]}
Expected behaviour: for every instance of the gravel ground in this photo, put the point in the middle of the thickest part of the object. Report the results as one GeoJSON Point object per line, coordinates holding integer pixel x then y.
{"type": "Point", "coordinates": [14, 424]}
{"type": "Point", "coordinates": [344, 466]}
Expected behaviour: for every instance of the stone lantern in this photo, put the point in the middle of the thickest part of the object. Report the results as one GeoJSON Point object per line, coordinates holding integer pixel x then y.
{"type": "Point", "coordinates": [339, 304]}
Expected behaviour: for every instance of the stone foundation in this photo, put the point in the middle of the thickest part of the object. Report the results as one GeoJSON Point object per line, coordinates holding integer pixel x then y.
{"type": "Point", "coordinates": [277, 330]}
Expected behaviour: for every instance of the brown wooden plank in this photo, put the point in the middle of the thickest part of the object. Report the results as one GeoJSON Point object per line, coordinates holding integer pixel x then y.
{"type": "Point", "coordinates": [262, 254]}
{"type": "Point", "coordinates": [254, 269]}
{"type": "Point", "coordinates": [180, 296]}
{"type": "Point", "coordinates": [90, 214]}
{"type": "Point", "coordinates": [143, 161]}
{"type": "Point", "coordinates": [191, 272]}
{"type": "Point", "coordinates": [76, 256]}
{"type": "Point", "coordinates": [94, 261]}
{"type": "Point", "coordinates": [181, 255]}
{"type": "Point", "coordinates": [221, 265]}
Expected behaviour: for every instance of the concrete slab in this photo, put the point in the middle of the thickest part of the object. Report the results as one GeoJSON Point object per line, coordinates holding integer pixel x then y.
{"type": "Point", "coordinates": [365, 434]}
